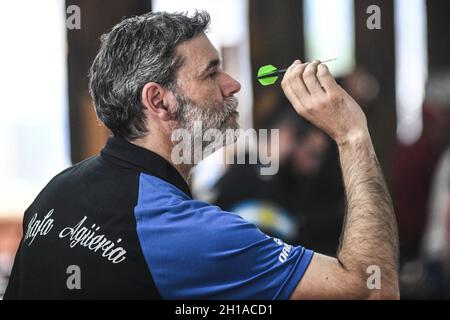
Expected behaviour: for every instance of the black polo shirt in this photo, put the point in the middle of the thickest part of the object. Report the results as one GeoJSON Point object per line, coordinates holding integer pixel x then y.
{"type": "Point", "coordinates": [123, 225]}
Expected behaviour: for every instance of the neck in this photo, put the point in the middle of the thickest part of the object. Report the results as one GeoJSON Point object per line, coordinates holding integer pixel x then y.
{"type": "Point", "coordinates": [162, 145]}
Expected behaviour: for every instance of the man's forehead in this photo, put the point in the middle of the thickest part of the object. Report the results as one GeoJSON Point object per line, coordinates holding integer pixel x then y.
{"type": "Point", "coordinates": [198, 53]}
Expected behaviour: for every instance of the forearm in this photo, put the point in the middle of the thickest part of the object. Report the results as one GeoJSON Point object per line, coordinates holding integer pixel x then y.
{"type": "Point", "coordinates": [370, 230]}
{"type": "Point", "coordinates": [370, 236]}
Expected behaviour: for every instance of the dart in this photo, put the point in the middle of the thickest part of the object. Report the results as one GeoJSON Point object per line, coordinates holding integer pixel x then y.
{"type": "Point", "coordinates": [269, 74]}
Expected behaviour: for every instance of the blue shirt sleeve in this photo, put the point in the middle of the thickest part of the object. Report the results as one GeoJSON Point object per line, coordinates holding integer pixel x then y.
{"type": "Point", "coordinates": [197, 251]}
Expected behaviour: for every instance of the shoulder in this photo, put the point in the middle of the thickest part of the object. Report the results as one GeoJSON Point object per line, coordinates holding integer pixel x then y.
{"type": "Point", "coordinates": [63, 178]}
{"type": "Point", "coordinates": [162, 202]}
{"type": "Point", "coordinates": [77, 168]}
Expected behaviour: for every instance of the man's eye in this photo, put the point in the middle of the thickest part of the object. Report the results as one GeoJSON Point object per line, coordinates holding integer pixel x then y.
{"type": "Point", "coordinates": [212, 74]}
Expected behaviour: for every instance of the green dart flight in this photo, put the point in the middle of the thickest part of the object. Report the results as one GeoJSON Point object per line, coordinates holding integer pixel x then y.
{"type": "Point", "coordinates": [268, 75]}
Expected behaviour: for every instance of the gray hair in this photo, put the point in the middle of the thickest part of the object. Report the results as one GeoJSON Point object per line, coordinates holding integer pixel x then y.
{"type": "Point", "coordinates": [138, 50]}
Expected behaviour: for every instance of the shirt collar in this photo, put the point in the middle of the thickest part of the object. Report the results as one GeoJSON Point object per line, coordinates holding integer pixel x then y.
{"type": "Point", "coordinates": [144, 160]}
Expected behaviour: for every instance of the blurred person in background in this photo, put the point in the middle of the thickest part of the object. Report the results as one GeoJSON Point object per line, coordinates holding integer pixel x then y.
{"type": "Point", "coordinates": [414, 164]}
{"type": "Point", "coordinates": [435, 247]}
{"type": "Point", "coordinates": [362, 85]}
{"type": "Point", "coordinates": [413, 169]}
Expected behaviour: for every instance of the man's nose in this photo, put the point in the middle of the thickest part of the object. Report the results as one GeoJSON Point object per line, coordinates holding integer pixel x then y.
{"type": "Point", "coordinates": [230, 85]}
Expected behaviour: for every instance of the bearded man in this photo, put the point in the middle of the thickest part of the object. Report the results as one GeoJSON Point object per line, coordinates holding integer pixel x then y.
{"type": "Point", "coordinates": [124, 224]}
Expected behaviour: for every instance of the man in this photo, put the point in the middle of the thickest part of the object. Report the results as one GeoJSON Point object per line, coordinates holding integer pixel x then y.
{"type": "Point", "coordinates": [124, 225]}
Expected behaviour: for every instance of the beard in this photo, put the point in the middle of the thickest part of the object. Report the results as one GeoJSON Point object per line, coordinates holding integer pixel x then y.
{"type": "Point", "coordinates": [220, 116]}
{"type": "Point", "coordinates": [213, 115]}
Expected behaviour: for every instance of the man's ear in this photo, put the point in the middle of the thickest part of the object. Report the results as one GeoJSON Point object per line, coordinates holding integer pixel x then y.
{"type": "Point", "coordinates": [155, 99]}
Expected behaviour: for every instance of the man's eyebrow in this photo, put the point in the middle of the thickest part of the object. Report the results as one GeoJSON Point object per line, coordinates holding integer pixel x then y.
{"type": "Point", "coordinates": [211, 65]}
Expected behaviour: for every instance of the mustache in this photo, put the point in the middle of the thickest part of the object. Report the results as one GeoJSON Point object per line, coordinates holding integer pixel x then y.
{"type": "Point", "coordinates": [232, 103]}
{"type": "Point", "coordinates": [230, 106]}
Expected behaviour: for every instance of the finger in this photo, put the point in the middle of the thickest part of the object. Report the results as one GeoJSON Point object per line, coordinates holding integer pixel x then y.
{"type": "Point", "coordinates": [293, 98]}
{"type": "Point", "coordinates": [289, 69]}
{"type": "Point", "coordinates": [310, 79]}
{"type": "Point", "coordinates": [293, 85]}
{"type": "Point", "coordinates": [297, 82]}
{"type": "Point", "coordinates": [326, 79]}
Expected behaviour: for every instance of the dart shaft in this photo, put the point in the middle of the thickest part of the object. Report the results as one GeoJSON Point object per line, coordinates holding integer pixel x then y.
{"type": "Point", "coordinates": [278, 72]}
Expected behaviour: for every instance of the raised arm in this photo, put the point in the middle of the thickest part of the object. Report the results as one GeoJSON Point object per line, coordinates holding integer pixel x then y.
{"type": "Point", "coordinates": [369, 240]}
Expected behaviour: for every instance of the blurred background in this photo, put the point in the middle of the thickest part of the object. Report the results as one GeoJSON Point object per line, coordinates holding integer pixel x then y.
{"type": "Point", "coordinates": [399, 74]}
